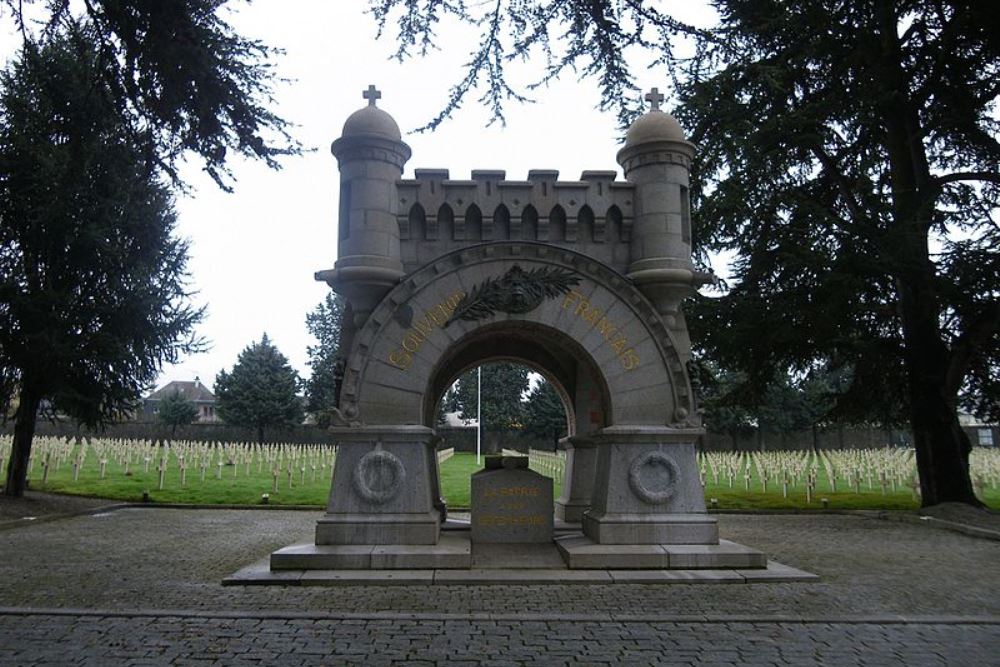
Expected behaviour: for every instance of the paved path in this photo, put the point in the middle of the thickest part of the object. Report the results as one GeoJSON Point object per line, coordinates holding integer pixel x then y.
{"type": "Point", "coordinates": [141, 586]}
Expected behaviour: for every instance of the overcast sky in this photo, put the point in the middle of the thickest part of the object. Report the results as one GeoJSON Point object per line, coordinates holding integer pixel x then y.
{"type": "Point", "coordinates": [254, 251]}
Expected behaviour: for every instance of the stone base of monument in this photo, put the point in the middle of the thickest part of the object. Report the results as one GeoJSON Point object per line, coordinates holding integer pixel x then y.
{"type": "Point", "coordinates": [614, 566]}
{"type": "Point", "coordinates": [628, 528]}
{"type": "Point", "coordinates": [582, 553]}
{"type": "Point", "coordinates": [383, 489]}
{"type": "Point", "coordinates": [349, 529]}
{"type": "Point", "coordinates": [451, 551]}
{"type": "Point", "coordinates": [570, 549]}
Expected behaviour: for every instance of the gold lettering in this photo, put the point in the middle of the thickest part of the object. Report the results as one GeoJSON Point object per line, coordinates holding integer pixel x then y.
{"type": "Point", "coordinates": [619, 345]}
{"type": "Point", "coordinates": [421, 330]}
{"type": "Point", "coordinates": [605, 328]}
{"type": "Point", "coordinates": [400, 359]}
{"type": "Point", "coordinates": [437, 318]}
{"type": "Point", "coordinates": [570, 297]}
{"type": "Point", "coordinates": [412, 342]}
{"type": "Point", "coordinates": [424, 325]}
{"type": "Point", "coordinates": [582, 307]}
{"type": "Point", "coordinates": [629, 359]}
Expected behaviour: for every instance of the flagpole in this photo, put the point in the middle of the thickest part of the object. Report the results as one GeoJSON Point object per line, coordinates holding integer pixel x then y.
{"type": "Point", "coordinates": [479, 412]}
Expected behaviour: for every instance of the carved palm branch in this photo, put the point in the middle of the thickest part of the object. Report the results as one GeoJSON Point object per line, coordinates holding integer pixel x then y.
{"type": "Point", "coordinates": [516, 292]}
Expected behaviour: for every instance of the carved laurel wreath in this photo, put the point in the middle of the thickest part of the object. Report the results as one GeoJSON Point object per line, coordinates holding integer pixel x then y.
{"type": "Point", "coordinates": [517, 291]}
{"type": "Point", "coordinates": [660, 466]}
{"type": "Point", "coordinates": [378, 476]}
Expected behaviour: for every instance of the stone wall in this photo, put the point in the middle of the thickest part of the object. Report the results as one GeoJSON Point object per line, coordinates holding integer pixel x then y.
{"type": "Point", "coordinates": [438, 214]}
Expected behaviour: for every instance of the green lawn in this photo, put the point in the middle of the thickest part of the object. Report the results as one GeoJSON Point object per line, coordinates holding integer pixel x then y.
{"type": "Point", "coordinates": [236, 487]}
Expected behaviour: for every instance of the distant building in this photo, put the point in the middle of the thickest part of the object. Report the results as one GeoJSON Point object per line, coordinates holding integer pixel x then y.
{"type": "Point", "coordinates": [981, 434]}
{"type": "Point", "coordinates": [194, 391]}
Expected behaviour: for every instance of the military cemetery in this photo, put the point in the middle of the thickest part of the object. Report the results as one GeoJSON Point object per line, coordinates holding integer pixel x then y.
{"type": "Point", "coordinates": [723, 394]}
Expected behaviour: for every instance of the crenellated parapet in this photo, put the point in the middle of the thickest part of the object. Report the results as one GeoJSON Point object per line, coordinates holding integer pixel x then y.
{"type": "Point", "coordinates": [438, 214]}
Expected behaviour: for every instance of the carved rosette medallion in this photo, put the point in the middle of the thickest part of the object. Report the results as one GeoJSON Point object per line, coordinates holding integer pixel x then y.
{"type": "Point", "coordinates": [653, 477]}
{"type": "Point", "coordinates": [378, 476]}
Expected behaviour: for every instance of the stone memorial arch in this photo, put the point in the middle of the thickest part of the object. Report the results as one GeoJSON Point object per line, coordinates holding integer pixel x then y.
{"type": "Point", "coordinates": [582, 280]}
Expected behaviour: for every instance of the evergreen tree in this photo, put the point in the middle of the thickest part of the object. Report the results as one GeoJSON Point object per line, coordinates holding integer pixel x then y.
{"type": "Point", "coordinates": [324, 324]}
{"type": "Point", "coordinates": [179, 77]}
{"type": "Point", "coordinates": [828, 162]}
{"type": "Point", "coordinates": [720, 402]}
{"type": "Point", "coordinates": [176, 410]}
{"type": "Point", "coordinates": [93, 296]}
{"type": "Point", "coordinates": [260, 391]}
{"type": "Point", "coordinates": [838, 144]}
{"type": "Point", "coordinates": [503, 385]}
{"type": "Point", "coordinates": [544, 413]}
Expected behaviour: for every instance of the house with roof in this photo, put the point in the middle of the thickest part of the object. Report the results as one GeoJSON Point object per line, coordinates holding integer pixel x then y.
{"type": "Point", "coordinates": [194, 391]}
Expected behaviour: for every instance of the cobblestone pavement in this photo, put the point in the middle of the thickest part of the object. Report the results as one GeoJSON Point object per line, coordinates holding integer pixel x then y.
{"type": "Point", "coordinates": [141, 586]}
{"type": "Point", "coordinates": [251, 641]}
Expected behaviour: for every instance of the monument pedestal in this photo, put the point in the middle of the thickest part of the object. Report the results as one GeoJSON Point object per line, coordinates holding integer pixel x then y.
{"type": "Point", "coordinates": [647, 489]}
{"type": "Point", "coordinates": [382, 490]}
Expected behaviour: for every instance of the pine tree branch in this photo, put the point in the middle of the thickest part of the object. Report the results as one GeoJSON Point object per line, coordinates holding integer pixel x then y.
{"type": "Point", "coordinates": [990, 176]}
{"type": "Point", "coordinates": [965, 347]}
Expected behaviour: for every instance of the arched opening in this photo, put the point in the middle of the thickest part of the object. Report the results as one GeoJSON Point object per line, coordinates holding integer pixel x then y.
{"type": "Point", "coordinates": [529, 223]}
{"type": "Point", "coordinates": [501, 223]}
{"type": "Point", "coordinates": [550, 352]}
{"type": "Point", "coordinates": [417, 228]}
{"type": "Point", "coordinates": [519, 406]}
{"type": "Point", "coordinates": [585, 225]}
{"type": "Point", "coordinates": [614, 231]}
{"type": "Point", "coordinates": [473, 223]}
{"type": "Point", "coordinates": [446, 222]}
{"type": "Point", "coordinates": [500, 407]}
{"type": "Point", "coordinates": [557, 224]}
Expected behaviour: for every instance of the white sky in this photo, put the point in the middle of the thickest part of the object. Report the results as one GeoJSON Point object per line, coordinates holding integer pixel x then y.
{"type": "Point", "coordinates": [254, 251]}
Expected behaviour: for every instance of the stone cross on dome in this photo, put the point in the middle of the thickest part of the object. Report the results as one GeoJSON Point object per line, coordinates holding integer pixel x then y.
{"type": "Point", "coordinates": [374, 93]}
{"type": "Point", "coordinates": [654, 97]}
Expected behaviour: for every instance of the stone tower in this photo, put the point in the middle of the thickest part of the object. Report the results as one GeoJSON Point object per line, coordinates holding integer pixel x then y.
{"type": "Point", "coordinates": [370, 154]}
{"type": "Point", "coordinates": [656, 158]}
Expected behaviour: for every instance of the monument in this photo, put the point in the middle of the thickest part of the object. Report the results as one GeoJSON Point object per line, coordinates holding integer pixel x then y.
{"type": "Point", "coordinates": [510, 503]}
{"type": "Point", "coordinates": [582, 280]}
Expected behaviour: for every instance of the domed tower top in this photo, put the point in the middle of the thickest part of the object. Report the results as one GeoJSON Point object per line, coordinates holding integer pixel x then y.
{"type": "Point", "coordinates": [370, 121]}
{"type": "Point", "coordinates": [652, 133]}
{"type": "Point", "coordinates": [654, 125]}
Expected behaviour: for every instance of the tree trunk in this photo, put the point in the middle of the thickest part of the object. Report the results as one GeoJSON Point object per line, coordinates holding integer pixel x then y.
{"type": "Point", "coordinates": [942, 447]}
{"type": "Point", "coordinates": [20, 451]}
{"type": "Point", "coordinates": [815, 438]}
{"type": "Point", "coordinates": [260, 434]}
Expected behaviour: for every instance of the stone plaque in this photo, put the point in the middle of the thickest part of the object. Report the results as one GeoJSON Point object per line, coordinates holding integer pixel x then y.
{"type": "Point", "coordinates": [511, 504]}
